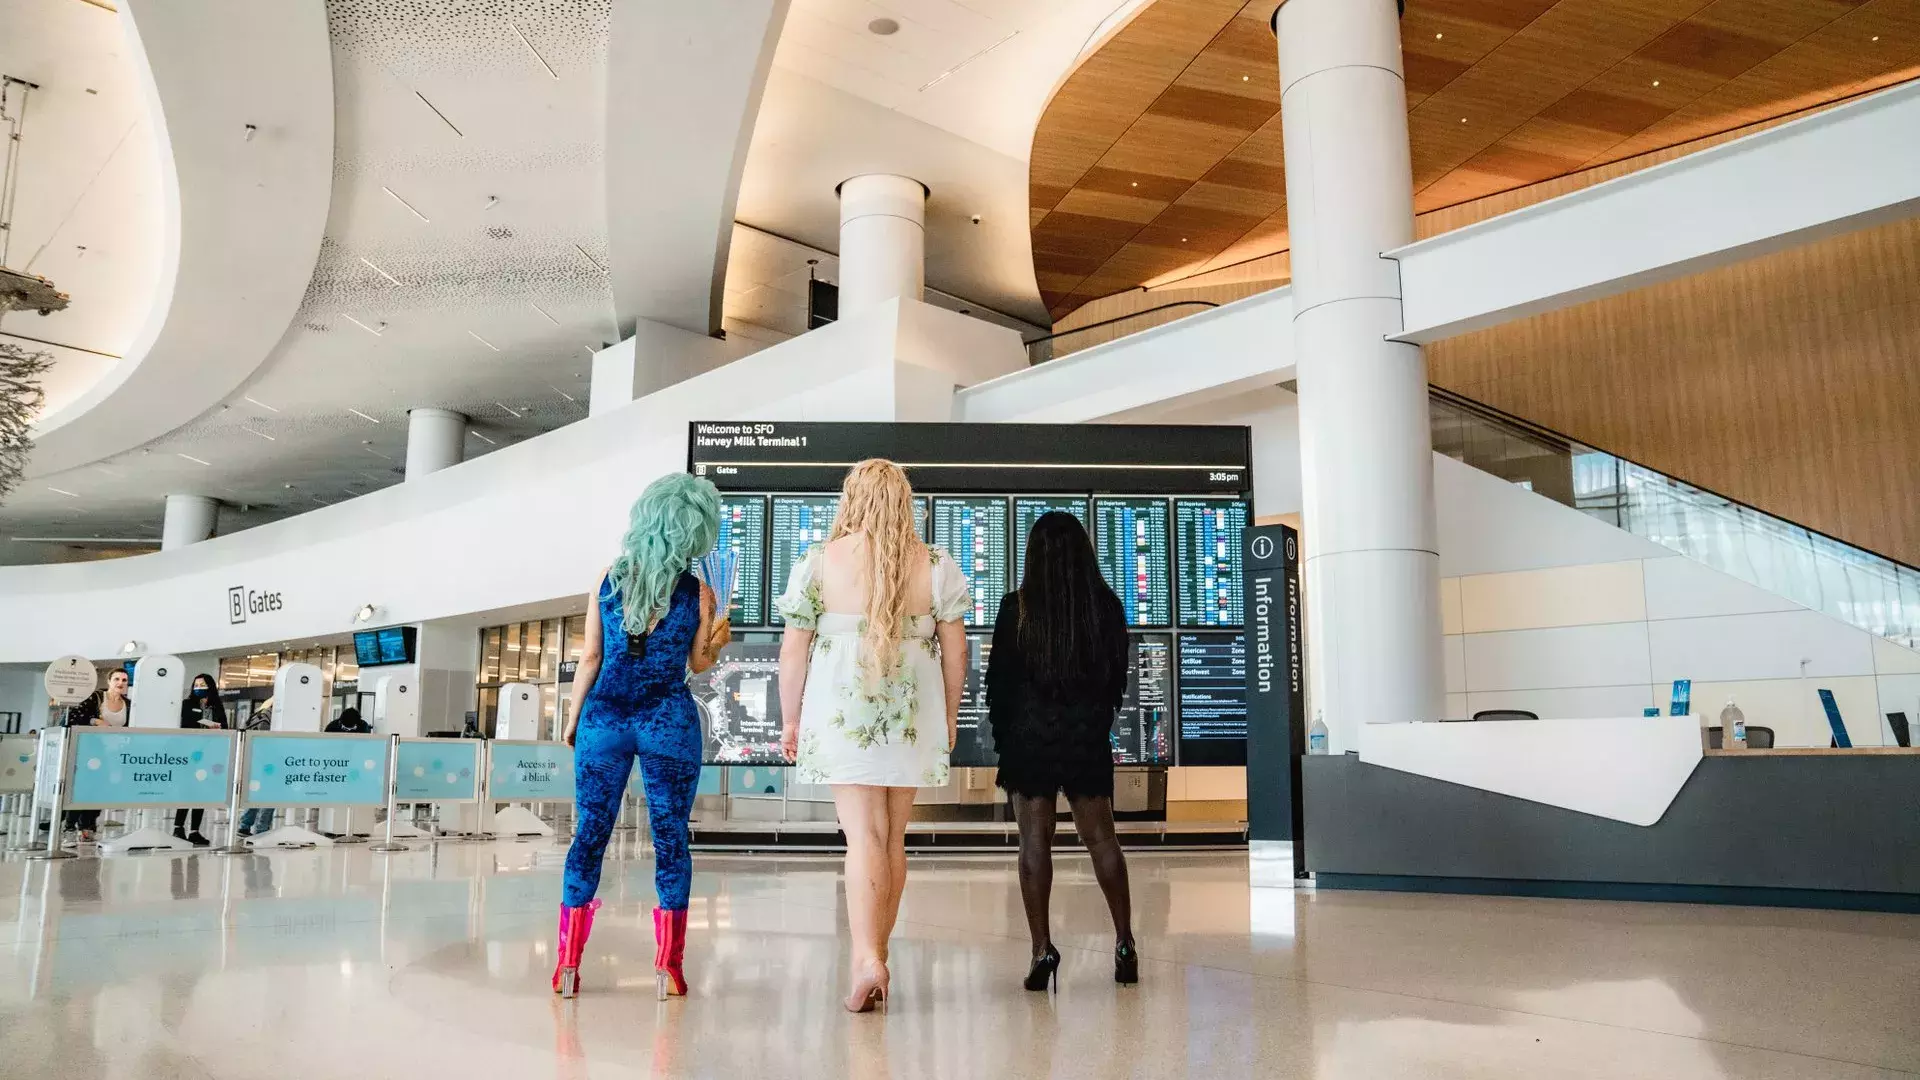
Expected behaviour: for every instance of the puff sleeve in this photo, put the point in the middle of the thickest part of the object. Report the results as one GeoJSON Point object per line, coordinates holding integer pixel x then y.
{"type": "Point", "coordinates": [953, 597]}
{"type": "Point", "coordinates": [800, 606]}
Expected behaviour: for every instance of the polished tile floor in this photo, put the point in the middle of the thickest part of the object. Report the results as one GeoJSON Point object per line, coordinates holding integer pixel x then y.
{"type": "Point", "coordinates": [434, 963]}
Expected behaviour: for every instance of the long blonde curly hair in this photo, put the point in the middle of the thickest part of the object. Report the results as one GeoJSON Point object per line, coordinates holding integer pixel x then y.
{"type": "Point", "coordinates": [877, 500]}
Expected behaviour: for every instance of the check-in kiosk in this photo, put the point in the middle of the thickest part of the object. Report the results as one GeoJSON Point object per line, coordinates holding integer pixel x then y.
{"type": "Point", "coordinates": [299, 702]}
{"type": "Point", "coordinates": [519, 714]}
{"type": "Point", "coordinates": [396, 705]}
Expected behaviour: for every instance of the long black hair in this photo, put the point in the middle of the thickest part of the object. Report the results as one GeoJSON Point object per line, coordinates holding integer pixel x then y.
{"type": "Point", "coordinates": [1072, 628]}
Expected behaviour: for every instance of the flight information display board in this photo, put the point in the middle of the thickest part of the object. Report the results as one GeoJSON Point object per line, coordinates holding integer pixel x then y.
{"type": "Point", "coordinates": [974, 532]}
{"type": "Point", "coordinates": [920, 516]}
{"type": "Point", "coordinates": [1028, 509]}
{"type": "Point", "coordinates": [1207, 561]}
{"type": "Point", "coordinates": [1213, 699]}
{"type": "Point", "coordinates": [743, 531]}
{"type": "Point", "coordinates": [1143, 729]}
{"type": "Point", "coordinates": [973, 739]}
{"type": "Point", "coordinates": [799, 522]}
{"type": "Point", "coordinates": [739, 703]}
{"type": "Point", "coordinates": [1130, 538]}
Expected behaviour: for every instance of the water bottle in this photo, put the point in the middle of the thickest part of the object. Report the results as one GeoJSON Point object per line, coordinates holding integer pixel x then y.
{"type": "Point", "coordinates": [1733, 727]}
{"type": "Point", "coordinates": [1317, 735]}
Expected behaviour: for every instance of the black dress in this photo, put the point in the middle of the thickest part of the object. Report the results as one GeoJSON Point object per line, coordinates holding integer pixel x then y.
{"type": "Point", "coordinates": [1050, 738]}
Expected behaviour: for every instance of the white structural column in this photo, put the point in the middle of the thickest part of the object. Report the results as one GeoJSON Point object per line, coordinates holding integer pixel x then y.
{"type": "Point", "coordinates": [883, 241]}
{"type": "Point", "coordinates": [436, 439]}
{"type": "Point", "coordinates": [1366, 450]}
{"type": "Point", "coordinates": [189, 520]}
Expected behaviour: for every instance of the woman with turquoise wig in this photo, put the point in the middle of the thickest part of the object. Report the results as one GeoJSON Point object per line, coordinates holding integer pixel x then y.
{"type": "Point", "coordinates": [651, 621]}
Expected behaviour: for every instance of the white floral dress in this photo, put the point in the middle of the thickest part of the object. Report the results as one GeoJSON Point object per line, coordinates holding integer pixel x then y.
{"type": "Point", "coordinates": [893, 734]}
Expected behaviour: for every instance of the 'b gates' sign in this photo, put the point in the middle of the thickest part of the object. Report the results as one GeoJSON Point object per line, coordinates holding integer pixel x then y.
{"type": "Point", "coordinates": [530, 771]}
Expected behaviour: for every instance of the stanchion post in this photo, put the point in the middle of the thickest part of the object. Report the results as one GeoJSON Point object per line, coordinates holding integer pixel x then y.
{"type": "Point", "coordinates": [240, 766]}
{"type": "Point", "coordinates": [393, 790]}
{"type": "Point", "coordinates": [59, 801]}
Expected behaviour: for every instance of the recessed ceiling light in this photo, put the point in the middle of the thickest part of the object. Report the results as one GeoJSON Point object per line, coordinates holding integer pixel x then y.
{"type": "Point", "coordinates": [1656, 82]}
{"type": "Point", "coordinates": [262, 434]}
{"type": "Point", "coordinates": [534, 51]}
{"type": "Point", "coordinates": [64, 491]}
{"type": "Point", "coordinates": [1246, 78]}
{"type": "Point", "coordinates": [1136, 183]}
{"type": "Point", "coordinates": [260, 403]}
{"type": "Point", "coordinates": [585, 255]}
{"type": "Point", "coordinates": [1876, 37]}
{"type": "Point", "coordinates": [376, 269]}
{"type": "Point", "coordinates": [1183, 239]}
{"type": "Point", "coordinates": [195, 460]}
{"type": "Point", "coordinates": [883, 27]}
{"type": "Point", "coordinates": [362, 415]}
{"type": "Point", "coordinates": [543, 311]}
{"type": "Point", "coordinates": [1437, 37]}
{"type": "Point", "coordinates": [510, 411]}
{"type": "Point", "coordinates": [364, 326]}
{"type": "Point", "coordinates": [484, 439]}
{"type": "Point", "coordinates": [405, 203]}
{"type": "Point", "coordinates": [1463, 119]}
{"type": "Point", "coordinates": [483, 341]}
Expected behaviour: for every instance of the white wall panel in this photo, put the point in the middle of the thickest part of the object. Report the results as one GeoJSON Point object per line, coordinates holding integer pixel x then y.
{"type": "Point", "coordinates": [1680, 588]}
{"type": "Point", "coordinates": [1453, 657]}
{"type": "Point", "coordinates": [1765, 646]}
{"type": "Point", "coordinates": [1610, 655]}
{"type": "Point", "coordinates": [1450, 622]}
{"type": "Point", "coordinates": [1891, 659]}
{"type": "Point", "coordinates": [1562, 596]}
{"type": "Point", "coordinates": [1457, 707]}
{"type": "Point", "coordinates": [1577, 702]}
{"type": "Point", "coordinates": [1488, 525]}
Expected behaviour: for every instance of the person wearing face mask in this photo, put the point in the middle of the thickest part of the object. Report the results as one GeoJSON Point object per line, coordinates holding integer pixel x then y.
{"type": "Point", "coordinates": [201, 710]}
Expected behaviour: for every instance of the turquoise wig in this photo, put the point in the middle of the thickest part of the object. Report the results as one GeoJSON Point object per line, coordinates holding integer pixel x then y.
{"type": "Point", "coordinates": [673, 522]}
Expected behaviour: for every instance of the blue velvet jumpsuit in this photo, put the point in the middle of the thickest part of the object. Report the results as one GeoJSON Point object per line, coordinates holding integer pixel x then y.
{"type": "Point", "coordinates": [639, 706]}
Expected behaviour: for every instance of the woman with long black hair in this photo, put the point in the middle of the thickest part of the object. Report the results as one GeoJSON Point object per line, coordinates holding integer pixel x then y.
{"type": "Point", "coordinates": [1055, 677]}
{"type": "Point", "coordinates": [201, 710]}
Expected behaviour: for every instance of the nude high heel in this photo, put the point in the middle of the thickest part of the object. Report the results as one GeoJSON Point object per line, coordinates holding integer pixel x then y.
{"type": "Point", "coordinates": [870, 989]}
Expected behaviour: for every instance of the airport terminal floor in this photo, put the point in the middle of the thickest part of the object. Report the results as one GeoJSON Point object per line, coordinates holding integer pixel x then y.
{"type": "Point", "coordinates": [434, 962]}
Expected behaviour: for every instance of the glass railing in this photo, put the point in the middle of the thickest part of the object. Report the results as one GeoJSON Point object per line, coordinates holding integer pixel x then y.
{"type": "Point", "coordinates": [1857, 586]}
{"type": "Point", "coordinates": [1054, 346]}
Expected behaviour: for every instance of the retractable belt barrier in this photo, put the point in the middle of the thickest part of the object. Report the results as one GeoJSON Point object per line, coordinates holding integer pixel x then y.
{"type": "Point", "coordinates": [88, 768]}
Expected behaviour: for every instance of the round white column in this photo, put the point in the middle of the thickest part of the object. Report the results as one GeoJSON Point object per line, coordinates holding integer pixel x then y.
{"type": "Point", "coordinates": [1366, 447]}
{"type": "Point", "coordinates": [189, 519]}
{"type": "Point", "coordinates": [883, 241]}
{"type": "Point", "coordinates": [436, 438]}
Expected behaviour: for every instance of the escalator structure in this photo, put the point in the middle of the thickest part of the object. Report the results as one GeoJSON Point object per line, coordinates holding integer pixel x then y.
{"type": "Point", "coordinates": [1859, 587]}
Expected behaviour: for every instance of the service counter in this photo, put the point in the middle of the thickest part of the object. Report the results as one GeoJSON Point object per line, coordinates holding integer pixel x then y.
{"type": "Point", "coordinates": [1614, 809]}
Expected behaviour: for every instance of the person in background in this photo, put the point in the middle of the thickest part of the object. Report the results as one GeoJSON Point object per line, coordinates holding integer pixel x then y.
{"type": "Point", "coordinates": [652, 620]}
{"type": "Point", "coordinates": [1055, 676]}
{"type": "Point", "coordinates": [349, 723]}
{"type": "Point", "coordinates": [110, 707]}
{"type": "Point", "coordinates": [200, 710]}
{"type": "Point", "coordinates": [872, 666]}
{"type": "Point", "coordinates": [258, 819]}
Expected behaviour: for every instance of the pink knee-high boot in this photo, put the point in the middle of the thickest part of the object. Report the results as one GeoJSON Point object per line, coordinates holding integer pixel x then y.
{"type": "Point", "coordinates": [669, 952]}
{"type": "Point", "coordinates": [576, 923]}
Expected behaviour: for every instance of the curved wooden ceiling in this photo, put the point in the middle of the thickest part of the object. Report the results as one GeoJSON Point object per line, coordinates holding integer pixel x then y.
{"type": "Point", "coordinates": [1160, 156]}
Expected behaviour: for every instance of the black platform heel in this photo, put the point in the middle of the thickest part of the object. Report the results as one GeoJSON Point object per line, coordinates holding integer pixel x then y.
{"type": "Point", "coordinates": [1126, 964]}
{"type": "Point", "coordinates": [1045, 970]}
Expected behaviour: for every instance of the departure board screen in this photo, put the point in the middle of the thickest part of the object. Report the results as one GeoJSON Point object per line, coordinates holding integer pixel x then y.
{"type": "Point", "coordinates": [973, 738]}
{"type": "Point", "coordinates": [1130, 537]}
{"type": "Point", "coordinates": [799, 522]}
{"type": "Point", "coordinates": [738, 699]}
{"type": "Point", "coordinates": [974, 532]}
{"type": "Point", "coordinates": [920, 516]}
{"type": "Point", "coordinates": [1213, 699]}
{"type": "Point", "coordinates": [1207, 561]}
{"type": "Point", "coordinates": [743, 531]}
{"type": "Point", "coordinates": [1028, 509]}
{"type": "Point", "coordinates": [1143, 728]}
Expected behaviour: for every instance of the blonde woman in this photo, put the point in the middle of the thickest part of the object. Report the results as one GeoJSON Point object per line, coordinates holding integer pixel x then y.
{"type": "Point", "coordinates": [871, 670]}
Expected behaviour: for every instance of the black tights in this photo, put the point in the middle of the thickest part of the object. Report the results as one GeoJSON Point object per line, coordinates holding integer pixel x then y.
{"type": "Point", "coordinates": [180, 818]}
{"type": "Point", "coordinates": [1093, 820]}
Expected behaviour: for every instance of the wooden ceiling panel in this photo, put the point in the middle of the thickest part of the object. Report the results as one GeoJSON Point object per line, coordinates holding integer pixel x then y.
{"type": "Point", "coordinates": [1162, 156]}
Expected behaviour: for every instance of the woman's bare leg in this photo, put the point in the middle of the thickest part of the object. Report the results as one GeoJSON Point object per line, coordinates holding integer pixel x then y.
{"type": "Point", "coordinates": [862, 810]}
{"type": "Point", "coordinates": [899, 812]}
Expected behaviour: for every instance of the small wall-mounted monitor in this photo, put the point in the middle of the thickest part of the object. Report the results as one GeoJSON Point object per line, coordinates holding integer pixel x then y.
{"type": "Point", "coordinates": [387, 645]}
